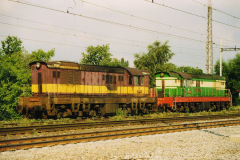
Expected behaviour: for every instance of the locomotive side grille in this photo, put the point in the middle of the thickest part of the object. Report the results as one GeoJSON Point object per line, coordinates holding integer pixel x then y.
{"type": "Point", "coordinates": [64, 77]}
{"type": "Point", "coordinates": [77, 77]}
{"type": "Point", "coordinates": [70, 77]}
{"type": "Point", "coordinates": [58, 74]}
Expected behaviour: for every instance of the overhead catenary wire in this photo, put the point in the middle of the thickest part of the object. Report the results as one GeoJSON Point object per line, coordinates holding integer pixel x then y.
{"type": "Point", "coordinates": [143, 42]}
{"type": "Point", "coordinates": [83, 32]}
{"type": "Point", "coordinates": [218, 10]}
{"type": "Point", "coordinates": [48, 42]}
{"type": "Point", "coordinates": [152, 20]}
{"type": "Point", "coordinates": [141, 18]}
{"type": "Point", "coordinates": [163, 5]}
{"type": "Point", "coordinates": [115, 23]}
{"type": "Point", "coordinates": [78, 46]}
{"type": "Point", "coordinates": [74, 35]}
{"type": "Point", "coordinates": [137, 45]}
{"type": "Point", "coordinates": [186, 61]}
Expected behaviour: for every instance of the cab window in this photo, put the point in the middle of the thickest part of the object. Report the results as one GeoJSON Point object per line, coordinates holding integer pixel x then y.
{"type": "Point", "coordinates": [135, 80]}
{"type": "Point", "coordinates": [138, 80]}
{"type": "Point", "coordinates": [130, 80]}
{"type": "Point", "coordinates": [142, 80]}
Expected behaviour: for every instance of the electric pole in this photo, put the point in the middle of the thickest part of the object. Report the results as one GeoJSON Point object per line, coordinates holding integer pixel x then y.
{"type": "Point", "coordinates": [209, 59]}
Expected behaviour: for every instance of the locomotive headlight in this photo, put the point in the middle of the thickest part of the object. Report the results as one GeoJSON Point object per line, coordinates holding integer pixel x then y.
{"type": "Point", "coordinates": [38, 65]}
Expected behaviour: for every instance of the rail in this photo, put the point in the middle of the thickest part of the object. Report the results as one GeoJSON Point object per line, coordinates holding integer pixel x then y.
{"type": "Point", "coordinates": [26, 143]}
{"type": "Point", "coordinates": [74, 126]}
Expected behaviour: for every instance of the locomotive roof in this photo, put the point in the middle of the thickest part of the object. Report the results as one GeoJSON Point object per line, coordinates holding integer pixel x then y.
{"type": "Point", "coordinates": [195, 76]}
{"type": "Point", "coordinates": [91, 68]}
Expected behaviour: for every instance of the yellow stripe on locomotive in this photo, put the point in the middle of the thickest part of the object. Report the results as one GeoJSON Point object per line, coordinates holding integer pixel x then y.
{"type": "Point", "coordinates": [87, 89]}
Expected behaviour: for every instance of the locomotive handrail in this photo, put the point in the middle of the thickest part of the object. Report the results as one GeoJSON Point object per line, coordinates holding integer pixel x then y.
{"type": "Point", "coordinates": [197, 92]}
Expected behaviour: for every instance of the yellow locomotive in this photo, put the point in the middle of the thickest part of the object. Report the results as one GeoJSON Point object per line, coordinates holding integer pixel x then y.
{"type": "Point", "coordinates": [62, 89]}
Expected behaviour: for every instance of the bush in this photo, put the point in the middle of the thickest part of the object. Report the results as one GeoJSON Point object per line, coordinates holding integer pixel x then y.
{"type": "Point", "coordinates": [119, 112]}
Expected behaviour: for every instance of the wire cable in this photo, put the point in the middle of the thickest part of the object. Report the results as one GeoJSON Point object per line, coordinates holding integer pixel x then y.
{"type": "Point", "coordinates": [124, 25]}
{"type": "Point", "coordinates": [142, 18]}
{"type": "Point", "coordinates": [154, 21]}
{"type": "Point", "coordinates": [47, 42]}
{"type": "Point", "coordinates": [149, 20]}
{"type": "Point", "coordinates": [115, 23]}
{"type": "Point", "coordinates": [217, 10]}
{"type": "Point", "coordinates": [86, 32]}
{"type": "Point", "coordinates": [191, 14]}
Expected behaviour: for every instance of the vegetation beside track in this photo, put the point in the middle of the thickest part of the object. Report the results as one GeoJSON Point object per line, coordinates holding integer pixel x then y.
{"type": "Point", "coordinates": [120, 116]}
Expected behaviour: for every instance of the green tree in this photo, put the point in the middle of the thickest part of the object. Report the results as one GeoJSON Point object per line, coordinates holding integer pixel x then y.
{"type": "Point", "coordinates": [11, 45]}
{"type": "Point", "coordinates": [225, 68]}
{"type": "Point", "coordinates": [190, 70]}
{"type": "Point", "coordinates": [40, 55]}
{"type": "Point", "coordinates": [153, 61]}
{"type": "Point", "coordinates": [100, 55]}
{"type": "Point", "coordinates": [231, 72]}
{"type": "Point", "coordinates": [14, 74]}
{"type": "Point", "coordinates": [169, 67]}
{"type": "Point", "coordinates": [116, 63]}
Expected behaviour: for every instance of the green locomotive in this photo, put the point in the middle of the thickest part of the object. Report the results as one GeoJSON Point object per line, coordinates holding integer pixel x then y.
{"type": "Point", "coordinates": [181, 91]}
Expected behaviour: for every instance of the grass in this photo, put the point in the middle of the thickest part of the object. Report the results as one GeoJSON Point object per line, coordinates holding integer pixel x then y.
{"type": "Point", "coordinates": [120, 115]}
{"type": "Point", "coordinates": [34, 132]}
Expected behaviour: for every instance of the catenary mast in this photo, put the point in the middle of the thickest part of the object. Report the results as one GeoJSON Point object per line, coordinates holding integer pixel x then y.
{"type": "Point", "coordinates": [209, 59]}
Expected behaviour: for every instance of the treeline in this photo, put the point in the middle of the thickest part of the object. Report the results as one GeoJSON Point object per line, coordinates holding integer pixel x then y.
{"type": "Point", "coordinates": [156, 60]}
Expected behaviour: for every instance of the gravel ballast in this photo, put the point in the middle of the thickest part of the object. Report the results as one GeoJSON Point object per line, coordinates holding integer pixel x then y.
{"type": "Point", "coordinates": [197, 144]}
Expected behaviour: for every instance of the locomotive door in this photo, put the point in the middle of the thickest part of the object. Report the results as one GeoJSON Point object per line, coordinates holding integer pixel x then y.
{"type": "Point", "coordinates": [161, 93]}
{"type": "Point", "coordinates": [198, 90]}
{"type": "Point", "coordinates": [39, 82]}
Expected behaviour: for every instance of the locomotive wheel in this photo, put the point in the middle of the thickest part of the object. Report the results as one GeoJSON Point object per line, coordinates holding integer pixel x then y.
{"type": "Point", "coordinates": [74, 115]}
{"type": "Point", "coordinates": [33, 113]}
{"type": "Point", "coordinates": [186, 109]}
{"type": "Point", "coordinates": [163, 109]}
{"type": "Point", "coordinates": [59, 115]}
{"type": "Point", "coordinates": [228, 105]}
{"type": "Point", "coordinates": [146, 111]}
{"type": "Point", "coordinates": [100, 113]}
{"type": "Point", "coordinates": [213, 107]}
{"type": "Point", "coordinates": [168, 110]}
{"type": "Point", "coordinates": [125, 111]}
{"type": "Point", "coordinates": [44, 115]}
{"type": "Point", "coordinates": [38, 114]}
{"type": "Point", "coordinates": [92, 113]}
{"type": "Point", "coordinates": [129, 111]}
{"type": "Point", "coordinates": [134, 112]}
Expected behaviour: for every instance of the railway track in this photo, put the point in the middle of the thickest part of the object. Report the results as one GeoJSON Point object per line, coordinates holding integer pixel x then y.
{"type": "Point", "coordinates": [77, 126]}
{"type": "Point", "coordinates": [26, 143]}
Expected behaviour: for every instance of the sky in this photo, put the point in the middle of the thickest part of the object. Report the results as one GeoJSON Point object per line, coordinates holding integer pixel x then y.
{"type": "Point", "coordinates": [128, 26]}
